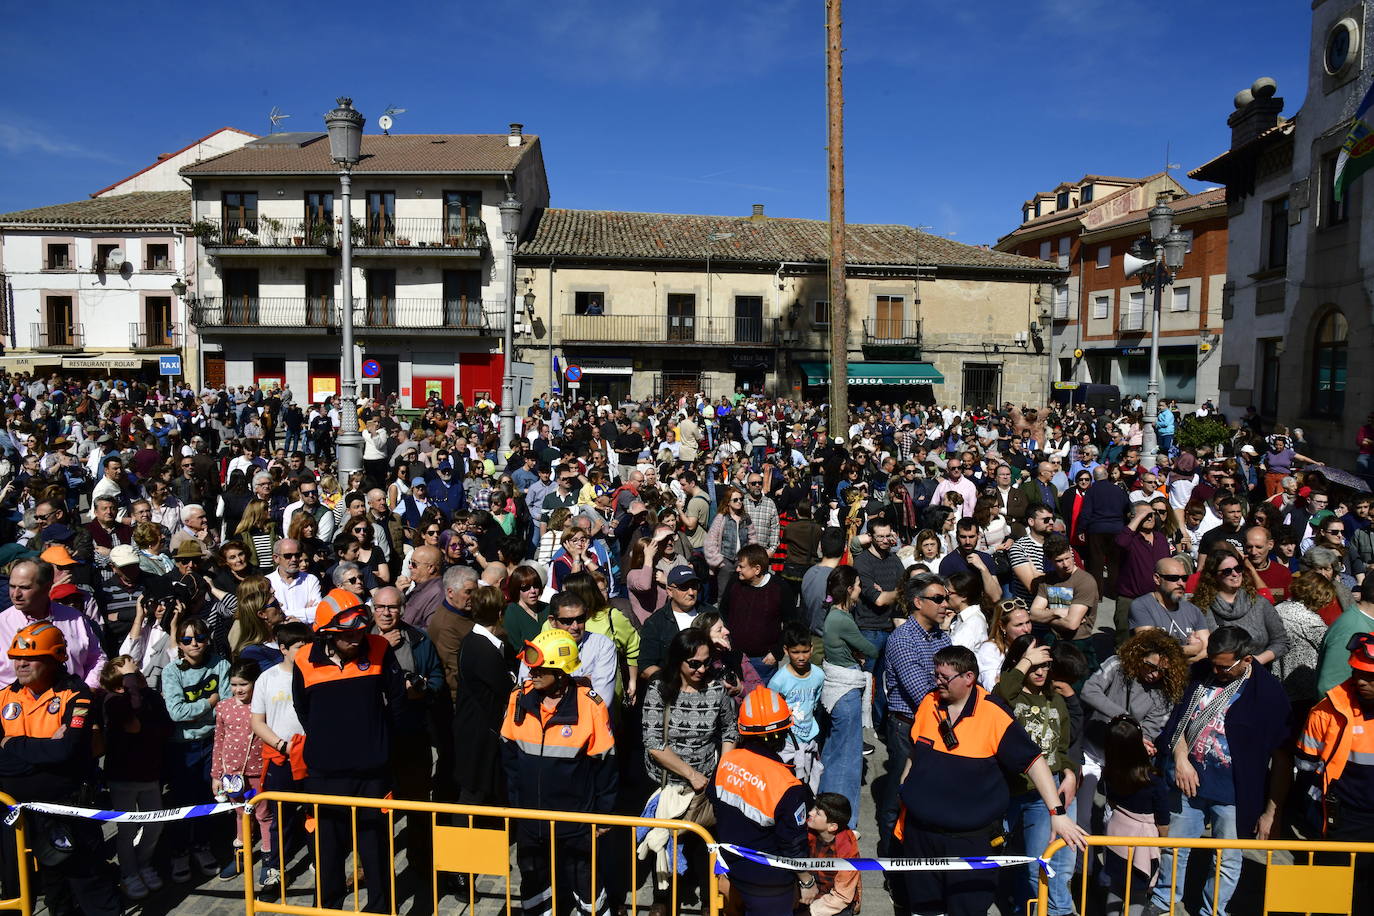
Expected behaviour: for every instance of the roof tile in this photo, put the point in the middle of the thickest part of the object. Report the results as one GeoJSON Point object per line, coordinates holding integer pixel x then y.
{"type": "Point", "coordinates": [381, 154]}
{"type": "Point", "coordinates": [141, 207]}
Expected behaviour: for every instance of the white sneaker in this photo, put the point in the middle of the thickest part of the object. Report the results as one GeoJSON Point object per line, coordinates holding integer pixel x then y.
{"type": "Point", "coordinates": [181, 869]}
{"type": "Point", "coordinates": [151, 879]}
{"type": "Point", "coordinates": [205, 861]}
{"type": "Point", "coordinates": [134, 888]}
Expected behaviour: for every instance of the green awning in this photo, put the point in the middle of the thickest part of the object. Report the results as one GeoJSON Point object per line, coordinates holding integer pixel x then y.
{"type": "Point", "coordinates": [875, 374]}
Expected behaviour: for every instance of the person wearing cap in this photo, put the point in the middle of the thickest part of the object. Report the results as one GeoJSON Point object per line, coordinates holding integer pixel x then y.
{"type": "Point", "coordinates": [558, 753]}
{"type": "Point", "coordinates": [350, 694]}
{"type": "Point", "coordinates": [684, 604]}
{"type": "Point", "coordinates": [46, 756]}
{"type": "Point", "coordinates": [760, 804]}
{"type": "Point", "coordinates": [36, 600]}
{"type": "Point", "coordinates": [117, 593]}
{"type": "Point", "coordinates": [415, 502]}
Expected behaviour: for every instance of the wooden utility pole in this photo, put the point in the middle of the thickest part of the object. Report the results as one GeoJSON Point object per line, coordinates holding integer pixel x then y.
{"type": "Point", "coordinates": [839, 305]}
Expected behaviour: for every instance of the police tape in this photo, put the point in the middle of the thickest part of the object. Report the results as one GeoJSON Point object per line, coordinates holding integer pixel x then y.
{"type": "Point", "coordinates": [954, 863]}
{"type": "Point", "coordinates": [122, 817]}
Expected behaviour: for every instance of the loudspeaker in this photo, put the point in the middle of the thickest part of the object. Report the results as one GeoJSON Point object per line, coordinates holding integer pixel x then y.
{"type": "Point", "coordinates": [1134, 265]}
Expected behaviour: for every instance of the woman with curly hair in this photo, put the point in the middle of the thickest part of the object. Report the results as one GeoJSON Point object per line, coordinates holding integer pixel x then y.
{"type": "Point", "coordinates": [1308, 595]}
{"type": "Point", "coordinates": [1228, 589]}
{"type": "Point", "coordinates": [1144, 680]}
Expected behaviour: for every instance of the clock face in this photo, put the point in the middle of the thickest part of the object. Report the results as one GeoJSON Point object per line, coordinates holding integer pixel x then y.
{"type": "Point", "coordinates": [1337, 48]}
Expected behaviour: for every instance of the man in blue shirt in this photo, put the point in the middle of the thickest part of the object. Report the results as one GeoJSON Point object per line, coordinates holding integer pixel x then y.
{"type": "Point", "coordinates": [1164, 428]}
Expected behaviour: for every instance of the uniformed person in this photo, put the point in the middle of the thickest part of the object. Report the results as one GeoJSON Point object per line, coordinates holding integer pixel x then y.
{"type": "Point", "coordinates": [760, 804]}
{"type": "Point", "coordinates": [45, 755]}
{"type": "Point", "coordinates": [954, 789]}
{"type": "Point", "coordinates": [559, 755]}
{"type": "Point", "coordinates": [348, 691]}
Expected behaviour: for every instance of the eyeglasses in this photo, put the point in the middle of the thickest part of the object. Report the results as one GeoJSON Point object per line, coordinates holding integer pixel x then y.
{"type": "Point", "coordinates": [1338, 532]}
{"type": "Point", "coordinates": [43, 517]}
{"type": "Point", "coordinates": [189, 640]}
{"type": "Point", "coordinates": [1228, 570]}
{"type": "Point", "coordinates": [386, 607]}
{"type": "Point", "coordinates": [569, 621]}
{"type": "Point", "coordinates": [696, 664]}
{"type": "Point", "coordinates": [1228, 669]}
{"type": "Point", "coordinates": [432, 533]}
{"type": "Point", "coordinates": [938, 599]}
{"type": "Point", "coordinates": [353, 580]}
{"type": "Point", "coordinates": [943, 679]}
{"type": "Point", "coordinates": [1171, 577]}
{"type": "Point", "coordinates": [736, 499]}
{"type": "Point", "coordinates": [289, 555]}
{"type": "Point", "coordinates": [309, 492]}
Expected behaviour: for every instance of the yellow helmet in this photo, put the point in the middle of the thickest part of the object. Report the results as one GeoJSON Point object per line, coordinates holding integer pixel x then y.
{"type": "Point", "coordinates": [552, 649]}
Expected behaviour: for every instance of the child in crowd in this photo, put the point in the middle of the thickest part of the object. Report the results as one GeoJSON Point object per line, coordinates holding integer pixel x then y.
{"type": "Point", "coordinates": [838, 893]}
{"type": "Point", "coordinates": [236, 768]}
{"type": "Point", "coordinates": [282, 739]}
{"type": "Point", "coordinates": [136, 732]}
{"type": "Point", "coordinates": [1138, 798]}
{"type": "Point", "coordinates": [800, 684]}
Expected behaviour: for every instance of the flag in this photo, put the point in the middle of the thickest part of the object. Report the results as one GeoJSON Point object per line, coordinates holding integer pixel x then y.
{"type": "Point", "coordinates": [557, 377]}
{"type": "Point", "coordinates": [1357, 153]}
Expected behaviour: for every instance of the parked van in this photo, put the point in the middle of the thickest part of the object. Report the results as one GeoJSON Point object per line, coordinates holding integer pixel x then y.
{"type": "Point", "coordinates": [1100, 397]}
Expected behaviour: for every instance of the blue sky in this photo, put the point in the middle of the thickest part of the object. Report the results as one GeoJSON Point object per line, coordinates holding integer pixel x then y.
{"type": "Point", "coordinates": [955, 112]}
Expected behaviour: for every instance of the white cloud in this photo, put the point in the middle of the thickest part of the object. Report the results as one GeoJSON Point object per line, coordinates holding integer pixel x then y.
{"type": "Point", "coordinates": [18, 140]}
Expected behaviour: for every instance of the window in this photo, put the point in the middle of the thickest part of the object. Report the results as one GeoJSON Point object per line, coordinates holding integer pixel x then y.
{"type": "Point", "coordinates": [59, 329]}
{"type": "Point", "coordinates": [1037, 207]}
{"type": "Point", "coordinates": [1333, 210]}
{"type": "Point", "coordinates": [319, 296]}
{"type": "Point", "coordinates": [1026, 213]}
{"type": "Point", "coordinates": [589, 303]}
{"type": "Point", "coordinates": [1269, 352]}
{"type": "Point", "coordinates": [381, 217]}
{"type": "Point", "coordinates": [159, 257]}
{"type": "Point", "coordinates": [241, 296]}
{"type": "Point", "coordinates": [1276, 224]}
{"type": "Point", "coordinates": [381, 298]}
{"type": "Point", "coordinates": [749, 319]}
{"type": "Point", "coordinates": [820, 313]}
{"type": "Point", "coordinates": [103, 255]}
{"type": "Point", "coordinates": [240, 213]}
{"type": "Point", "coordinates": [889, 312]}
{"type": "Point", "coordinates": [1328, 365]}
{"type": "Point", "coordinates": [1133, 316]}
{"type": "Point", "coordinates": [158, 330]}
{"type": "Point", "coordinates": [982, 384]}
{"type": "Point", "coordinates": [1086, 195]}
{"type": "Point", "coordinates": [1180, 299]}
{"type": "Point", "coordinates": [1104, 255]}
{"type": "Point", "coordinates": [1064, 247]}
{"type": "Point", "coordinates": [1061, 302]}
{"type": "Point", "coordinates": [1045, 250]}
{"type": "Point", "coordinates": [58, 257]}
{"type": "Point", "coordinates": [463, 298]}
{"type": "Point", "coordinates": [1061, 200]}
{"type": "Point", "coordinates": [462, 217]}
{"type": "Point", "coordinates": [319, 217]}
{"type": "Point", "coordinates": [682, 316]}
{"type": "Point", "coordinates": [1101, 306]}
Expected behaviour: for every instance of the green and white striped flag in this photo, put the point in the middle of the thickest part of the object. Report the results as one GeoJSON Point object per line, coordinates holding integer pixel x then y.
{"type": "Point", "coordinates": [1357, 153]}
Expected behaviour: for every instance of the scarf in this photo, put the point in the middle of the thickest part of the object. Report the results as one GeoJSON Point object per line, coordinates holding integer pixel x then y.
{"type": "Point", "coordinates": [1189, 726]}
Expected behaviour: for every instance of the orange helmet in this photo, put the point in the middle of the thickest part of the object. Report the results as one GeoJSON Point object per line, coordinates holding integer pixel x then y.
{"type": "Point", "coordinates": [39, 639]}
{"type": "Point", "coordinates": [1361, 648]}
{"type": "Point", "coordinates": [764, 712]}
{"type": "Point", "coordinates": [341, 610]}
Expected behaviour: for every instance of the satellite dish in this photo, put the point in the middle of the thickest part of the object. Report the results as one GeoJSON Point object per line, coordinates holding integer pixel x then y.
{"type": "Point", "coordinates": [385, 122]}
{"type": "Point", "coordinates": [116, 259]}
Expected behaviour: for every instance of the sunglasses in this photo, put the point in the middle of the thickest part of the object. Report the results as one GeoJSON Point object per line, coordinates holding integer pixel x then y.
{"type": "Point", "coordinates": [1228, 570]}
{"type": "Point", "coordinates": [1174, 577]}
{"type": "Point", "coordinates": [309, 492]}
{"type": "Point", "coordinates": [569, 621]}
{"type": "Point", "coordinates": [291, 555]}
{"type": "Point", "coordinates": [696, 664]}
{"type": "Point", "coordinates": [188, 640]}
{"type": "Point", "coordinates": [43, 517]}
{"type": "Point", "coordinates": [938, 599]}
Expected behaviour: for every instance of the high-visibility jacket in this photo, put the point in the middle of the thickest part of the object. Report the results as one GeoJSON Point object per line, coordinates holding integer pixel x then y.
{"type": "Point", "coordinates": [35, 766]}
{"type": "Point", "coordinates": [1338, 741]}
{"type": "Point", "coordinates": [560, 759]}
{"type": "Point", "coordinates": [760, 803]}
{"type": "Point", "coordinates": [348, 712]}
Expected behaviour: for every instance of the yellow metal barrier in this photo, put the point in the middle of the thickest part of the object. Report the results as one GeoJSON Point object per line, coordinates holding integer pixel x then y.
{"type": "Point", "coordinates": [24, 902]}
{"type": "Point", "coordinates": [1299, 888]}
{"type": "Point", "coordinates": [479, 846]}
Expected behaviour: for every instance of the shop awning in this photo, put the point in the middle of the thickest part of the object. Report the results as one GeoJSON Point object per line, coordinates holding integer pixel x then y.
{"type": "Point", "coordinates": [874, 374]}
{"type": "Point", "coordinates": [28, 363]}
{"type": "Point", "coordinates": [104, 363]}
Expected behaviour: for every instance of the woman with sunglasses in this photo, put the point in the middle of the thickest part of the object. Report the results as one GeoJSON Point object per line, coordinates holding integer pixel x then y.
{"type": "Point", "coordinates": [689, 723]}
{"type": "Point", "coordinates": [1143, 680]}
{"type": "Point", "coordinates": [370, 556]}
{"type": "Point", "coordinates": [1026, 687]}
{"type": "Point", "coordinates": [730, 530]}
{"type": "Point", "coordinates": [1010, 620]}
{"type": "Point", "coordinates": [191, 688]}
{"type": "Point", "coordinates": [255, 620]}
{"type": "Point", "coordinates": [1230, 590]}
{"type": "Point", "coordinates": [525, 614]}
{"type": "Point", "coordinates": [1070, 505]}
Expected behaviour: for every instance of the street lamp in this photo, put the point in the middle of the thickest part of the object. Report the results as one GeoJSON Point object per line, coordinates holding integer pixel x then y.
{"type": "Point", "coordinates": [1170, 246]}
{"type": "Point", "coordinates": [345, 126]}
{"type": "Point", "coordinates": [510, 228]}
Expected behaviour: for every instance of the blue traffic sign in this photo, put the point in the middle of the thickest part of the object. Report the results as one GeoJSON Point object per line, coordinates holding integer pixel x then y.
{"type": "Point", "coordinates": [574, 373]}
{"type": "Point", "coordinates": [371, 368]}
{"type": "Point", "coordinates": [169, 365]}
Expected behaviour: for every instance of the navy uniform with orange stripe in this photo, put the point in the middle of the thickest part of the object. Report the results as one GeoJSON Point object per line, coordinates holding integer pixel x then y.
{"type": "Point", "coordinates": [348, 703]}
{"type": "Point", "coordinates": [559, 755]}
{"type": "Point", "coordinates": [760, 804]}
{"type": "Point", "coordinates": [45, 755]}
{"type": "Point", "coordinates": [954, 797]}
{"type": "Point", "coordinates": [1337, 746]}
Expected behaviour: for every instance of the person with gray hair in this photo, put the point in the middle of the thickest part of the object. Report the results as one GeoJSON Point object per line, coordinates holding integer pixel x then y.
{"type": "Point", "coordinates": [194, 526]}
{"type": "Point", "coordinates": [349, 577]}
{"type": "Point", "coordinates": [452, 620]}
{"type": "Point", "coordinates": [1329, 563]}
{"type": "Point", "coordinates": [295, 589]}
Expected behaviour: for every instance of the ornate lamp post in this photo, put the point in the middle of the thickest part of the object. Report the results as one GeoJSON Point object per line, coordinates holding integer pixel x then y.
{"type": "Point", "coordinates": [345, 127]}
{"type": "Point", "coordinates": [510, 228]}
{"type": "Point", "coordinates": [1170, 246]}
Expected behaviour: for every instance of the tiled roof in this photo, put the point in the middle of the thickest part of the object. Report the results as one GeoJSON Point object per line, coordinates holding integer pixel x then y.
{"type": "Point", "coordinates": [1212, 197]}
{"type": "Point", "coordinates": [398, 153]}
{"type": "Point", "coordinates": [160, 208]}
{"type": "Point", "coordinates": [600, 234]}
{"type": "Point", "coordinates": [162, 158]}
{"type": "Point", "coordinates": [1214, 169]}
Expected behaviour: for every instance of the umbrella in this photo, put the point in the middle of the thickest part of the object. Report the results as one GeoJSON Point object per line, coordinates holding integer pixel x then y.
{"type": "Point", "coordinates": [1340, 478]}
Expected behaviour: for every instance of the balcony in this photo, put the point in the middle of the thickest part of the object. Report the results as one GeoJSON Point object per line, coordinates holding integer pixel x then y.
{"type": "Point", "coordinates": [663, 331]}
{"type": "Point", "coordinates": [1132, 322]}
{"type": "Point", "coordinates": [58, 336]}
{"type": "Point", "coordinates": [271, 236]}
{"type": "Point", "coordinates": [885, 332]}
{"type": "Point", "coordinates": [154, 336]}
{"type": "Point", "coordinates": [300, 315]}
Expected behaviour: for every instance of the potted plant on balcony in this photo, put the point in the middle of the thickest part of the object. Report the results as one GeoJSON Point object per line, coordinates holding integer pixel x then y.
{"type": "Point", "coordinates": [320, 233]}
{"type": "Point", "coordinates": [403, 242]}
{"type": "Point", "coordinates": [205, 231]}
{"type": "Point", "coordinates": [270, 224]}
{"type": "Point", "coordinates": [358, 231]}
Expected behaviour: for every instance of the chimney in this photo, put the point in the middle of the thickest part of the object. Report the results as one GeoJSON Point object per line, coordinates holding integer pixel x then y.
{"type": "Point", "coordinates": [516, 135]}
{"type": "Point", "coordinates": [1257, 110]}
{"type": "Point", "coordinates": [758, 213]}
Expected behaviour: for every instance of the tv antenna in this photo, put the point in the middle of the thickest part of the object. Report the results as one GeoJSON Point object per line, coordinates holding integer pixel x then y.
{"type": "Point", "coordinates": [276, 117]}
{"type": "Point", "coordinates": [1168, 154]}
{"type": "Point", "coordinates": [388, 119]}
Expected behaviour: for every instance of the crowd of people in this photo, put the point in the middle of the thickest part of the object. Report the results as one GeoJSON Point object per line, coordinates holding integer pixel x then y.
{"type": "Point", "coordinates": [685, 608]}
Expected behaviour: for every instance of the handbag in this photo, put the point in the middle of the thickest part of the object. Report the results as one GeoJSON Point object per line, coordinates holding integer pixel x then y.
{"type": "Point", "coordinates": [699, 809]}
{"type": "Point", "coordinates": [235, 785]}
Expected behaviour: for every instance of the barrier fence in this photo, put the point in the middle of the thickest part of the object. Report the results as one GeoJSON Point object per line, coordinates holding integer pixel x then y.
{"type": "Point", "coordinates": [1326, 888]}
{"type": "Point", "coordinates": [24, 901]}
{"type": "Point", "coordinates": [474, 841]}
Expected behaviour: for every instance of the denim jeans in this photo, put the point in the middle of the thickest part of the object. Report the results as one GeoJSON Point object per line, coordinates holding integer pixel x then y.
{"type": "Point", "coordinates": [875, 665]}
{"type": "Point", "coordinates": [843, 754]}
{"type": "Point", "coordinates": [1029, 819]}
{"type": "Point", "coordinates": [1189, 816]}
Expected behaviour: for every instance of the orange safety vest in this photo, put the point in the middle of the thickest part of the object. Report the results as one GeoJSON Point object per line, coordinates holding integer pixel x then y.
{"type": "Point", "coordinates": [367, 664]}
{"type": "Point", "coordinates": [753, 784]}
{"type": "Point", "coordinates": [26, 715]}
{"type": "Point", "coordinates": [1336, 731]}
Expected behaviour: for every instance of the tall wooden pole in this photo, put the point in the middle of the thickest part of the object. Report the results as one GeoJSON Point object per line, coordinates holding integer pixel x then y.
{"type": "Point", "coordinates": [839, 305]}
